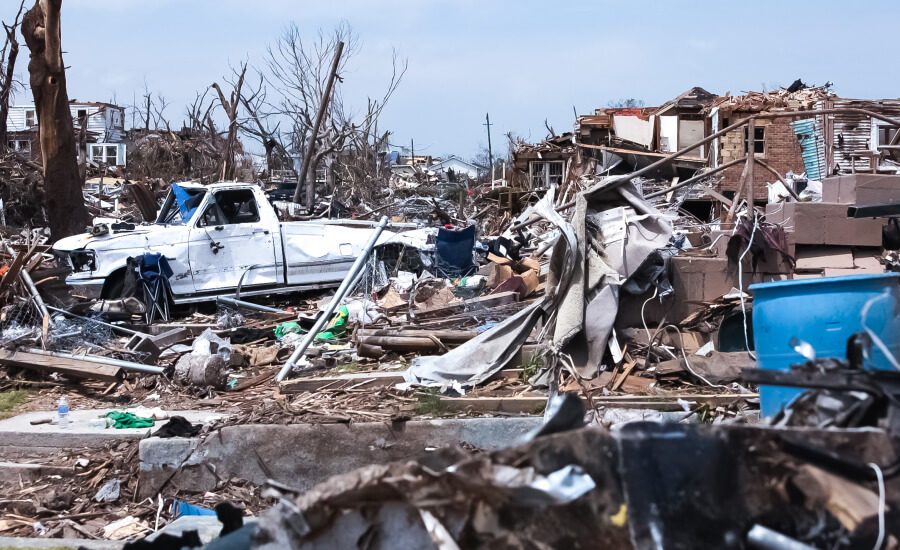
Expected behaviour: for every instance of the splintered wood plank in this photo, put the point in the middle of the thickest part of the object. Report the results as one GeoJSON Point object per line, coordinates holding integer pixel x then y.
{"type": "Point", "coordinates": [70, 367]}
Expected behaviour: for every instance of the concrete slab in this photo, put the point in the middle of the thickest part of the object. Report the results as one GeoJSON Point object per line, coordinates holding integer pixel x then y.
{"type": "Point", "coordinates": [59, 544]}
{"type": "Point", "coordinates": [19, 432]}
{"type": "Point", "coordinates": [302, 455]}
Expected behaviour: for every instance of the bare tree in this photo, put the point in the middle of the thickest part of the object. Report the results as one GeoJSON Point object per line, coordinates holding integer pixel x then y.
{"type": "Point", "coordinates": [7, 70]}
{"type": "Point", "coordinates": [63, 199]}
{"type": "Point", "coordinates": [230, 106]}
{"type": "Point", "coordinates": [299, 70]}
{"type": "Point", "coordinates": [257, 123]}
{"type": "Point", "coordinates": [625, 103]}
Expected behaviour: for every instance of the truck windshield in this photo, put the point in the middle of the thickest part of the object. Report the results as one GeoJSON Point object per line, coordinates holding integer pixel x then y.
{"type": "Point", "coordinates": [180, 204]}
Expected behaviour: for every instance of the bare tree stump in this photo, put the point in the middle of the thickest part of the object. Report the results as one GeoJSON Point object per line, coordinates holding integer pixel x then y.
{"type": "Point", "coordinates": [63, 199]}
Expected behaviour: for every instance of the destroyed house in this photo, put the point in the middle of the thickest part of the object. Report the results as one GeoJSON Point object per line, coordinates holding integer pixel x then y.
{"type": "Point", "coordinates": [641, 136]}
{"type": "Point", "coordinates": [104, 125]}
{"type": "Point", "coordinates": [815, 145]}
{"type": "Point", "coordinates": [538, 166]}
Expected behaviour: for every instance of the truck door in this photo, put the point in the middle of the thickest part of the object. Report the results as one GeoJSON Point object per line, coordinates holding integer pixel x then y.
{"type": "Point", "coordinates": [230, 241]}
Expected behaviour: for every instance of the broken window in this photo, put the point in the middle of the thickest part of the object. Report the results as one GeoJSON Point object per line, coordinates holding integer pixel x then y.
{"type": "Point", "coordinates": [29, 118]}
{"type": "Point", "coordinates": [759, 140]}
{"type": "Point", "coordinates": [232, 207]}
{"type": "Point", "coordinates": [81, 114]}
{"type": "Point", "coordinates": [885, 134]}
{"type": "Point", "coordinates": [20, 145]}
{"type": "Point", "coordinates": [106, 154]}
{"type": "Point", "coordinates": [546, 173]}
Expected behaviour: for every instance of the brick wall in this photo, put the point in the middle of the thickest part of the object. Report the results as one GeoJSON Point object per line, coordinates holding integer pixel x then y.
{"type": "Point", "coordinates": [782, 153]}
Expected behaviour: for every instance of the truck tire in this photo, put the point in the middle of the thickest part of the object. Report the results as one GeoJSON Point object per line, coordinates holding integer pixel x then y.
{"type": "Point", "coordinates": [114, 285]}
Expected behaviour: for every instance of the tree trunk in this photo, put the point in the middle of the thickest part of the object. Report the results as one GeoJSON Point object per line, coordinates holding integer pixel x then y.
{"type": "Point", "coordinates": [63, 199]}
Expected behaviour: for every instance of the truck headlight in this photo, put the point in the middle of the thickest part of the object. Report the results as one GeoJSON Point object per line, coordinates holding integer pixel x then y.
{"type": "Point", "coordinates": [83, 260]}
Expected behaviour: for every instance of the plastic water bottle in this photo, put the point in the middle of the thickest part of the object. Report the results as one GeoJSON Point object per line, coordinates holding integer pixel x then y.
{"type": "Point", "coordinates": [62, 409]}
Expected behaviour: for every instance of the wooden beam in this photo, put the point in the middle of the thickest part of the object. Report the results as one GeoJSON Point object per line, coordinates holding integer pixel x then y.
{"type": "Point", "coordinates": [69, 367]}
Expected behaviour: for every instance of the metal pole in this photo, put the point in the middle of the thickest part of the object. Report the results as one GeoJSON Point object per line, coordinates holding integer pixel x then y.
{"type": "Point", "coordinates": [338, 296]}
{"type": "Point", "coordinates": [487, 120]}
{"type": "Point", "coordinates": [114, 327]}
{"type": "Point", "coordinates": [249, 305]}
{"type": "Point", "coordinates": [695, 179]}
{"type": "Point", "coordinates": [764, 538]}
{"type": "Point", "coordinates": [99, 360]}
{"type": "Point", "coordinates": [26, 278]}
{"type": "Point", "coordinates": [310, 149]}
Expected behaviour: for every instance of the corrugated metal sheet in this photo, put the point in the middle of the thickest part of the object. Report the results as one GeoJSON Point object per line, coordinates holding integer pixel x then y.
{"type": "Point", "coordinates": [812, 146]}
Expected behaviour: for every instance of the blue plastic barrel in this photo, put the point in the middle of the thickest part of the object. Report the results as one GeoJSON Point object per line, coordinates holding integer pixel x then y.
{"type": "Point", "coordinates": [825, 312]}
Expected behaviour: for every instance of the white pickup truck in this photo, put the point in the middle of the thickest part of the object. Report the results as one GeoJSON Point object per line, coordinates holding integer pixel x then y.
{"type": "Point", "coordinates": [221, 237]}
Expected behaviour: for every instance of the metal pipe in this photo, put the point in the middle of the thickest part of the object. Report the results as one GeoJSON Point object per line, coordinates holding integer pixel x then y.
{"type": "Point", "coordinates": [26, 278]}
{"type": "Point", "coordinates": [249, 305]}
{"type": "Point", "coordinates": [764, 538]}
{"type": "Point", "coordinates": [695, 179]}
{"type": "Point", "coordinates": [110, 325]}
{"type": "Point", "coordinates": [38, 301]}
{"type": "Point", "coordinates": [338, 296]}
{"type": "Point", "coordinates": [128, 365]}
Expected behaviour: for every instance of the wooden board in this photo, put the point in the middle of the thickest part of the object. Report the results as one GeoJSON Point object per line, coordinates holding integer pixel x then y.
{"type": "Point", "coordinates": [71, 367]}
{"type": "Point", "coordinates": [535, 404]}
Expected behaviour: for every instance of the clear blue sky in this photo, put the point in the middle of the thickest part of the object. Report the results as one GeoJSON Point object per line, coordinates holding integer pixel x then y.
{"type": "Point", "coordinates": [522, 61]}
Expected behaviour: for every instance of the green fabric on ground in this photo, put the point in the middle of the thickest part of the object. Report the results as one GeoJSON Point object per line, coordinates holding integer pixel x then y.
{"type": "Point", "coordinates": [336, 326]}
{"type": "Point", "coordinates": [286, 328]}
{"type": "Point", "coordinates": [129, 420]}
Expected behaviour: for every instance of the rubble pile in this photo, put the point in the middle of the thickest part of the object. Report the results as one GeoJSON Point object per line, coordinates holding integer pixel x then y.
{"type": "Point", "coordinates": [681, 339]}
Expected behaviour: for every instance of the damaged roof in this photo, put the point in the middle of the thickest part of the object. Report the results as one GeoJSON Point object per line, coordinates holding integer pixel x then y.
{"type": "Point", "coordinates": [696, 98]}
{"type": "Point", "coordinates": [783, 98]}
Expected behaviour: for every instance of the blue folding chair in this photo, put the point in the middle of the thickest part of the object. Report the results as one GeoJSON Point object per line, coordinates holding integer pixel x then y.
{"type": "Point", "coordinates": [453, 252]}
{"type": "Point", "coordinates": [153, 277]}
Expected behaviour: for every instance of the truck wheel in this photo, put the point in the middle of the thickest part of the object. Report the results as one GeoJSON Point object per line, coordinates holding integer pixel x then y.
{"type": "Point", "coordinates": [114, 285]}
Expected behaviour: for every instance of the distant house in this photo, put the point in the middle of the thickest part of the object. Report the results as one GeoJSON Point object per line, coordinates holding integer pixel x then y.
{"type": "Point", "coordinates": [457, 166]}
{"type": "Point", "coordinates": [104, 131]}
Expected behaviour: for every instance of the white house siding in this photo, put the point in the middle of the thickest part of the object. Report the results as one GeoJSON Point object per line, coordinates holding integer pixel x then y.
{"type": "Point", "coordinates": [108, 127]}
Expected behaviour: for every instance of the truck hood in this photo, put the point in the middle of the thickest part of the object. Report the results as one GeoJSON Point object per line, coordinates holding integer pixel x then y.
{"type": "Point", "coordinates": [140, 236]}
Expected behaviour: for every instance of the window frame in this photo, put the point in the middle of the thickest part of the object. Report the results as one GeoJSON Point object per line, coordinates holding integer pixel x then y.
{"type": "Point", "coordinates": [543, 175]}
{"type": "Point", "coordinates": [756, 140]}
{"type": "Point", "coordinates": [213, 203]}
{"type": "Point", "coordinates": [30, 118]}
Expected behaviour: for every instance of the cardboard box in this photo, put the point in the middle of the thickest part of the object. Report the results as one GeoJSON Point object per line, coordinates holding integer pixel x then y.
{"type": "Point", "coordinates": [817, 258]}
{"type": "Point", "coordinates": [861, 189]}
{"type": "Point", "coordinates": [825, 223]}
{"type": "Point", "coordinates": [832, 261]}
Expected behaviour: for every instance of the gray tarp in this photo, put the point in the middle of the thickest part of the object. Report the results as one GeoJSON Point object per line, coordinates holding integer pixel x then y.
{"type": "Point", "coordinates": [611, 234]}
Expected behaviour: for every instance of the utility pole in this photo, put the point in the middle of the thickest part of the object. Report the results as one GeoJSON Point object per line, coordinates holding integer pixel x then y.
{"type": "Point", "coordinates": [487, 119]}
{"type": "Point", "coordinates": [412, 153]}
{"type": "Point", "coordinates": [310, 149]}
